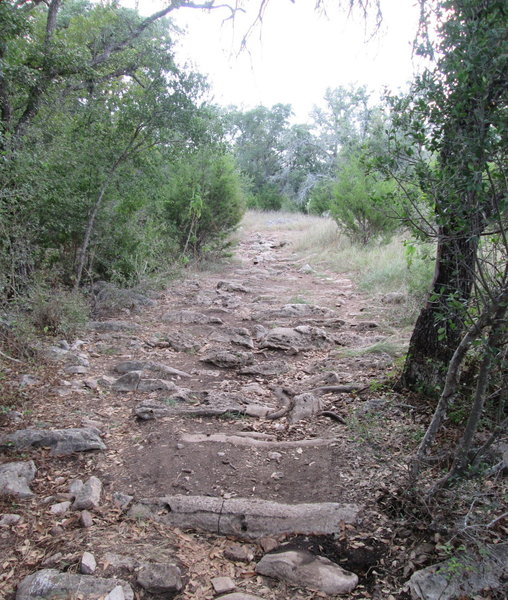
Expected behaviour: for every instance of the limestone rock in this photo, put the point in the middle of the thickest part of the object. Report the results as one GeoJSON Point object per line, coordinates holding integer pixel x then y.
{"type": "Point", "coordinates": [85, 519]}
{"type": "Point", "coordinates": [155, 385]}
{"type": "Point", "coordinates": [76, 486]}
{"type": "Point", "coordinates": [189, 317]}
{"type": "Point", "coordinates": [116, 593]}
{"type": "Point", "coordinates": [304, 406]}
{"type": "Point", "coordinates": [9, 519]}
{"type": "Point", "coordinates": [127, 366]}
{"type": "Point", "coordinates": [463, 576]}
{"type": "Point", "coordinates": [303, 337]}
{"type": "Point", "coordinates": [61, 508]}
{"type": "Point", "coordinates": [239, 553]}
{"type": "Point", "coordinates": [215, 407]}
{"type": "Point", "coordinates": [121, 561]}
{"type": "Point", "coordinates": [27, 380]}
{"type": "Point", "coordinates": [222, 585]}
{"type": "Point", "coordinates": [183, 342]}
{"type": "Point", "coordinates": [15, 478]}
{"type": "Point", "coordinates": [89, 495]}
{"type": "Point", "coordinates": [232, 286]}
{"type": "Point", "coordinates": [158, 578]}
{"type": "Point", "coordinates": [128, 382]}
{"type": "Point", "coordinates": [49, 584]}
{"type": "Point", "coordinates": [61, 441]}
{"type": "Point", "coordinates": [306, 269]}
{"type": "Point", "coordinates": [87, 564]}
{"type": "Point", "coordinates": [122, 500]}
{"type": "Point", "coordinates": [301, 310]}
{"type": "Point", "coordinates": [106, 381]}
{"type": "Point", "coordinates": [266, 369]}
{"type": "Point", "coordinates": [301, 568]}
{"type": "Point", "coordinates": [228, 359]}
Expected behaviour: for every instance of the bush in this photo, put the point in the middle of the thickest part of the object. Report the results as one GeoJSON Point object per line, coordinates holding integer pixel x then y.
{"type": "Point", "coordinates": [321, 198]}
{"type": "Point", "coordinates": [267, 197]}
{"type": "Point", "coordinates": [204, 201]}
{"type": "Point", "coordinates": [57, 311]}
{"type": "Point", "coordinates": [362, 205]}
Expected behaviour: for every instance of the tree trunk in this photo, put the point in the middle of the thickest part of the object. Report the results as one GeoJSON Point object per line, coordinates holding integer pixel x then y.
{"type": "Point", "coordinates": [439, 327]}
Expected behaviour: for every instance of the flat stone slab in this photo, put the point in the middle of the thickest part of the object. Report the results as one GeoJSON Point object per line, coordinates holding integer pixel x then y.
{"type": "Point", "coordinates": [301, 568]}
{"type": "Point", "coordinates": [128, 366]}
{"type": "Point", "coordinates": [228, 359]}
{"type": "Point", "coordinates": [61, 441]}
{"type": "Point", "coordinates": [303, 337]}
{"type": "Point", "coordinates": [246, 518]}
{"type": "Point", "coordinates": [189, 317]}
{"type": "Point", "coordinates": [289, 311]}
{"type": "Point", "coordinates": [15, 478]}
{"type": "Point", "coordinates": [50, 584]}
{"type": "Point", "coordinates": [248, 440]}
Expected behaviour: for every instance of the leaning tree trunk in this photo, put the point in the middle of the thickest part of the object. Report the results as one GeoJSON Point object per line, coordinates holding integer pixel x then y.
{"type": "Point", "coordinates": [439, 327]}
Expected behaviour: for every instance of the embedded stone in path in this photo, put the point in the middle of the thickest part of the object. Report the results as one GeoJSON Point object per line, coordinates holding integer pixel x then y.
{"type": "Point", "coordinates": [128, 366]}
{"type": "Point", "coordinates": [189, 317]}
{"type": "Point", "coordinates": [301, 568]}
{"type": "Point", "coordinates": [304, 406]}
{"type": "Point", "coordinates": [61, 441]}
{"type": "Point", "coordinates": [300, 310]}
{"type": "Point", "coordinates": [228, 359]}
{"type": "Point", "coordinates": [15, 478]}
{"type": "Point", "coordinates": [49, 584]}
{"type": "Point", "coordinates": [160, 578]}
{"type": "Point", "coordinates": [244, 517]}
{"type": "Point", "coordinates": [232, 286]}
{"type": "Point", "coordinates": [247, 438]}
{"type": "Point", "coordinates": [303, 337]}
{"type": "Point", "coordinates": [183, 342]}
{"type": "Point", "coordinates": [266, 369]}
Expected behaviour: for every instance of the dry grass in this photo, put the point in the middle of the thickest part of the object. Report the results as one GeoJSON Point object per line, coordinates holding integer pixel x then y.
{"type": "Point", "coordinates": [377, 268]}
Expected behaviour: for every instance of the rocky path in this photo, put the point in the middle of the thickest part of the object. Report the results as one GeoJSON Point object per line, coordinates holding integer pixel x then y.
{"type": "Point", "coordinates": [234, 416]}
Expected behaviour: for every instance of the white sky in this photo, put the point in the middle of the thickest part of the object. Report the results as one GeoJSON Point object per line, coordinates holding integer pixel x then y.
{"type": "Point", "coordinates": [297, 53]}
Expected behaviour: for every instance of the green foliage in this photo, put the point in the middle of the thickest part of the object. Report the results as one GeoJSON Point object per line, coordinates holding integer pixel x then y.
{"type": "Point", "coordinates": [93, 113]}
{"type": "Point", "coordinates": [266, 197]}
{"type": "Point", "coordinates": [321, 198]}
{"type": "Point", "coordinates": [204, 200]}
{"type": "Point", "coordinates": [360, 203]}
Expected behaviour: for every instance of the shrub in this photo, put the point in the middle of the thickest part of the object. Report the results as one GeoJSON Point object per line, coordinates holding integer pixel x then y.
{"type": "Point", "coordinates": [361, 204]}
{"type": "Point", "coordinates": [57, 311]}
{"type": "Point", "coordinates": [204, 201]}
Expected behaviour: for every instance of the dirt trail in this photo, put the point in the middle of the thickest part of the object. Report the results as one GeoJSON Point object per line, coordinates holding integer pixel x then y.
{"type": "Point", "coordinates": [238, 310]}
